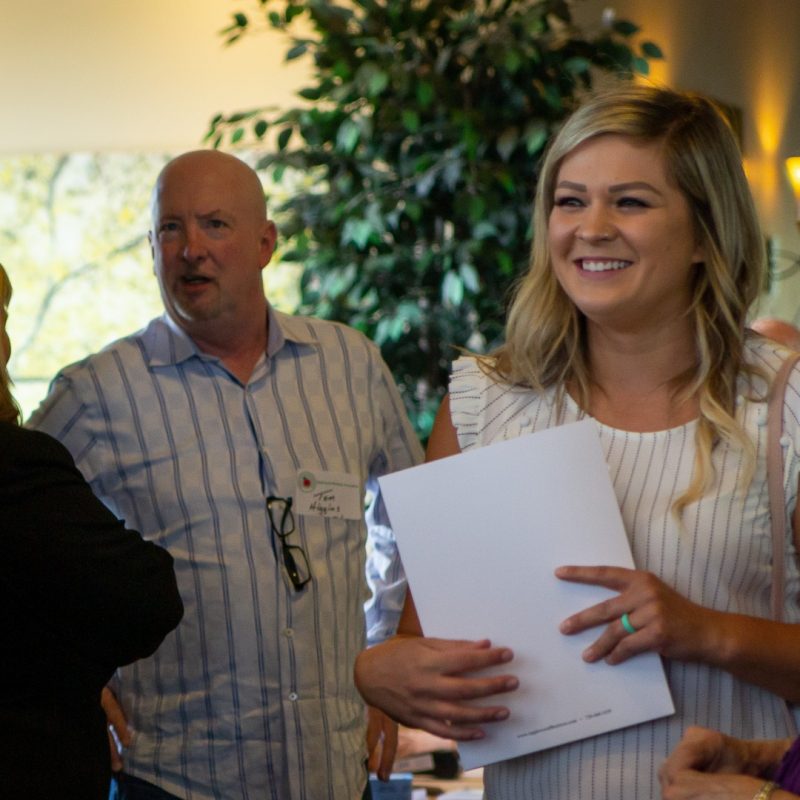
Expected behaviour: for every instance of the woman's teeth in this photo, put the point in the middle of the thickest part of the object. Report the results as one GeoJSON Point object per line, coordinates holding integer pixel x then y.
{"type": "Point", "coordinates": [603, 266]}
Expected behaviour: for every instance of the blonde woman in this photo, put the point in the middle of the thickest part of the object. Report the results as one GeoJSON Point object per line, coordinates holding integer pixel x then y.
{"type": "Point", "coordinates": [647, 256]}
{"type": "Point", "coordinates": [79, 596]}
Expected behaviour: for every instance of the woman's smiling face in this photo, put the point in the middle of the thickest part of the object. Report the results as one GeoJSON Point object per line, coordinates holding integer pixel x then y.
{"type": "Point", "coordinates": [621, 236]}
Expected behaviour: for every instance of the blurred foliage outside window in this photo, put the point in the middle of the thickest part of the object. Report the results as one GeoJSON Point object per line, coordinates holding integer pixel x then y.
{"type": "Point", "coordinates": [73, 239]}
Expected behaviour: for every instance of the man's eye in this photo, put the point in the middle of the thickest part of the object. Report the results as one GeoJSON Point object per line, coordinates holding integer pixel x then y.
{"type": "Point", "coordinates": [216, 223]}
{"type": "Point", "coordinates": [168, 227]}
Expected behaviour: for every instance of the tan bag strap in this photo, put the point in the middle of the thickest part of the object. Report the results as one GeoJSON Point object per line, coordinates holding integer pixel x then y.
{"type": "Point", "coordinates": [777, 501]}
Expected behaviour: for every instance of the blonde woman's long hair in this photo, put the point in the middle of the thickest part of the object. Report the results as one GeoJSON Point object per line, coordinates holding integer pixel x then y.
{"type": "Point", "coordinates": [9, 410]}
{"type": "Point", "coordinates": [545, 341]}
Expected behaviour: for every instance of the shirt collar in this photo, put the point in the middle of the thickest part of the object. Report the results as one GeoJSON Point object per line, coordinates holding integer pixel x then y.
{"type": "Point", "coordinates": [167, 344]}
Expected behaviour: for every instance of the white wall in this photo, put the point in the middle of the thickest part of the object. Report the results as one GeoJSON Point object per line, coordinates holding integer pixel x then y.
{"type": "Point", "coordinates": [129, 74]}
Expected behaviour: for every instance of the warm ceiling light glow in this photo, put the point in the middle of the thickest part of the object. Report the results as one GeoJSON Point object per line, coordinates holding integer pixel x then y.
{"type": "Point", "coordinates": [793, 170]}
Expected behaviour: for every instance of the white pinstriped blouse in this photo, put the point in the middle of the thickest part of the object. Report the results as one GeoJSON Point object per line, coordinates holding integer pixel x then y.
{"type": "Point", "coordinates": [252, 696]}
{"type": "Point", "coordinates": [721, 560]}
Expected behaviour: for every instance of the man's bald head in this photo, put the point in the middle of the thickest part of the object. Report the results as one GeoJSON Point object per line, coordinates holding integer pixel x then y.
{"type": "Point", "coordinates": [224, 168]}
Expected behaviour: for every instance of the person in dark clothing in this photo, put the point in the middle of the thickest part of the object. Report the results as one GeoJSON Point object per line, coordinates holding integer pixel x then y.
{"type": "Point", "coordinates": [80, 595]}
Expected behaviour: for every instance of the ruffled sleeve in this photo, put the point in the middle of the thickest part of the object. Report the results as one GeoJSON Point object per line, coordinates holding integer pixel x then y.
{"type": "Point", "coordinates": [467, 389]}
{"type": "Point", "coordinates": [791, 437]}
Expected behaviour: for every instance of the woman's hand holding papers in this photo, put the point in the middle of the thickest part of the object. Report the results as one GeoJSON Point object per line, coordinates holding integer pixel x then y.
{"type": "Point", "coordinates": [424, 684]}
{"type": "Point", "coordinates": [649, 616]}
{"type": "Point", "coordinates": [662, 620]}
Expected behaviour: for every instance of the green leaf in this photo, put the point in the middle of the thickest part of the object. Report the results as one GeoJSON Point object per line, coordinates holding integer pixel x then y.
{"type": "Point", "coordinates": [506, 181]}
{"type": "Point", "coordinates": [425, 94]}
{"type": "Point", "coordinates": [310, 93]}
{"type": "Point", "coordinates": [469, 277]}
{"type": "Point", "coordinates": [283, 138]}
{"type": "Point", "coordinates": [470, 139]}
{"type": "Point", "coordinates": [410, 120]}
{"type": "Point", "coordinates": [641, 65]}
{"type": "Point", "coordinates": [536, 136]}
{"type": "Point", "coordinates": [505, 263]}
{"type": "Point", "coordinates": [624, 27]}
{"type": "Point", "coordinates": [452, 289]}
{"type": "Point", "coordinates": [552, 96]}
{"type": "Point", "coordinates": [652, 50]}
{"type": "Point", "coordinates": [338, 281]}
{"type": "Point", "coordinates": [513, 61]}
{"type": "Point", "coordinates": [391, 327]}
{"type": "Point", "coordinates": [293, 11]}
{"type": "Point", "coordinates": [240, 20]}
{"type": "Point", "coordinates": [378, 81]}
{"type": "Point", "coordinates": [260, 128]}
{"type": "Point", "coordinates": [577, 65]}
{"type": "Point", "coordinates": [357, 232]}
{"type": "Point", "coordinates": [237, 135]}
{"type": "Point", "coordinates": [451, 174]}
{"type": "Point", "coordinates": [484, 229]}
{"type": "Point", "coordinates": [506, 142]}
{"type": "Point", "coordinates": [414, 210]}
{"type": "Point", "coordinates": [477, 208]}
{"type": "Point", "coordinates": [296, 51]}
{"type": "Point", "coordinates": [347, 136]}
{"type": "Point", "coordinates": [275, 19]}
{"type": "Point", "coordinates": [425, 183]}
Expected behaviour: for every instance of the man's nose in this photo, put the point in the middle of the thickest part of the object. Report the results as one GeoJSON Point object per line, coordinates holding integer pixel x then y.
{"type": "Point", "coordinates": [194, 248]}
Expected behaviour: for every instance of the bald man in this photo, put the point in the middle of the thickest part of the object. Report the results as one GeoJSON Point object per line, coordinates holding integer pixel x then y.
{"type": "Point", "coordinates": [243, 440]}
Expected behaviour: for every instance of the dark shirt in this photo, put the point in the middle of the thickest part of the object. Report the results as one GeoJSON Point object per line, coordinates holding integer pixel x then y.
{"type": "Point", "coordinates": [788, 774]}
{"type": "Point", "coordinates": [80, 595]}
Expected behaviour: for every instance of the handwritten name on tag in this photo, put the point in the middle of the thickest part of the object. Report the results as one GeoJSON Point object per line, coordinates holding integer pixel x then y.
{"type": "Point", "coordinates": [329, 494]}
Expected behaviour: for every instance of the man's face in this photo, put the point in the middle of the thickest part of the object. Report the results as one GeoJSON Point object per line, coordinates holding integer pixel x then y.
{"type": "Point", "coordinates": [210, 241]}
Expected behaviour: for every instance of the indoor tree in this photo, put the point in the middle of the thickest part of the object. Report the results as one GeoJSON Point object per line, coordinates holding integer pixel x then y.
{"type": "Point", "coordinates": [411, 160]}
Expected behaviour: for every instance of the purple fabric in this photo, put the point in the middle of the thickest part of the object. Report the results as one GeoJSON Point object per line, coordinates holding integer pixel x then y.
{"type": "Point", "coordinates": [788, 773]}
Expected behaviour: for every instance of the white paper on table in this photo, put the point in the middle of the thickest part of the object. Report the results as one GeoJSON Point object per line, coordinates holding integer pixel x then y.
{"type": "Point", "coordinates": [480, 535]}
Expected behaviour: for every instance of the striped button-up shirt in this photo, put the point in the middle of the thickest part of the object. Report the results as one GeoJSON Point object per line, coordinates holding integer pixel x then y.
{"type": "Point", "coordinates": [252, 696]}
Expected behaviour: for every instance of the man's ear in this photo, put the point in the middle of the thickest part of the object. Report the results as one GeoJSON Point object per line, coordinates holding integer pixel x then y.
{"type": "Point", "coordinates": [269, 238]}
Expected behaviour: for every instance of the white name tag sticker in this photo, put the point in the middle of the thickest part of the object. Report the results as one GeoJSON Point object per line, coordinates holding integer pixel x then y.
{"type": "Point", "coordinates": [328, 494]}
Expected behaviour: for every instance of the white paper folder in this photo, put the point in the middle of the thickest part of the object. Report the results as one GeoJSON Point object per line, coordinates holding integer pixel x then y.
{"type": "Point", "coordinates": [480, 535]}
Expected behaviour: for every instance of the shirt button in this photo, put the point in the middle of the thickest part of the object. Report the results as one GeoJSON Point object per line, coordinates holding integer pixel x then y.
{"type": "Point", "coordinates": [288, 633]}
{"type": "Point", "coordinates": [293, 696]}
